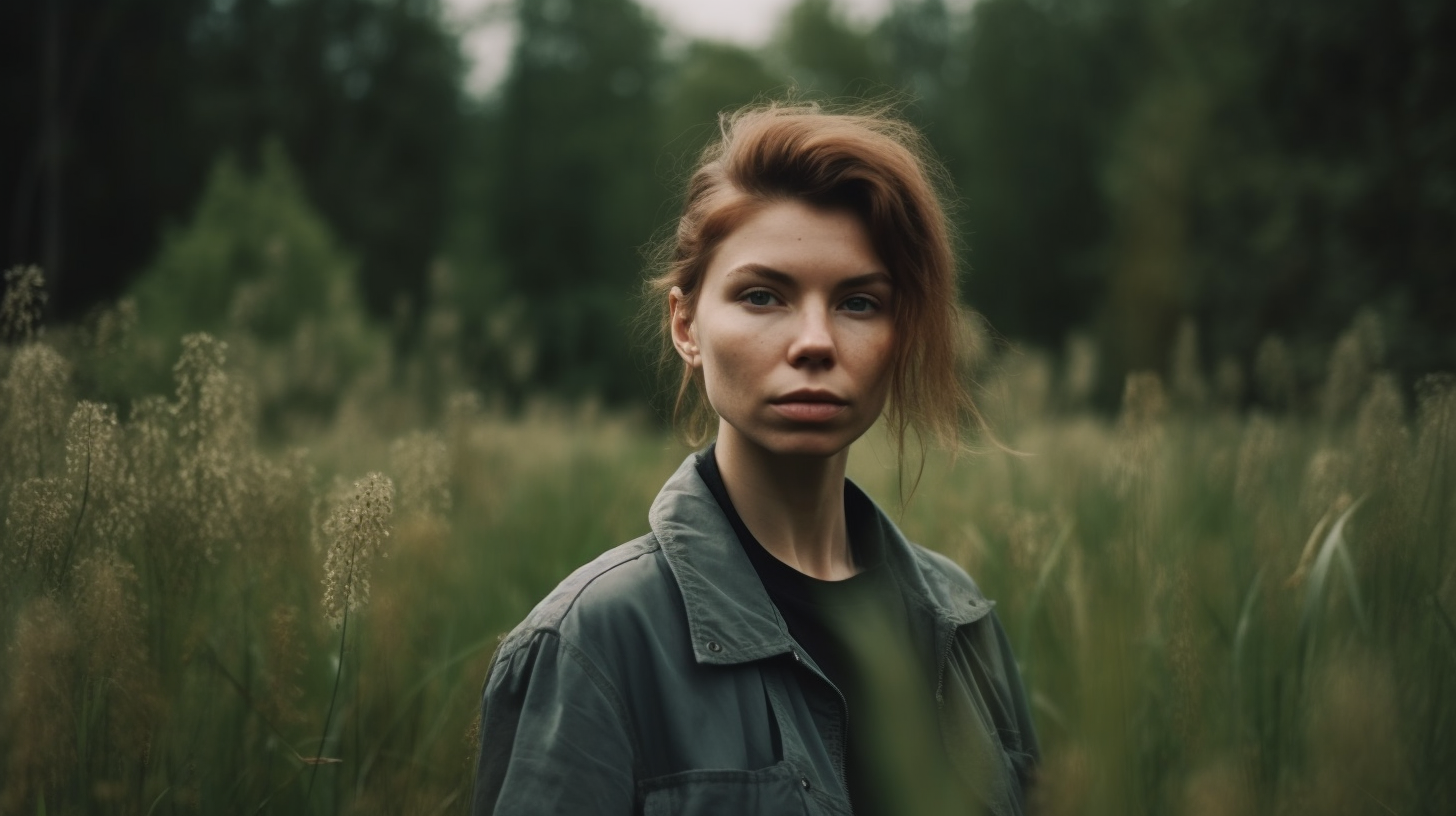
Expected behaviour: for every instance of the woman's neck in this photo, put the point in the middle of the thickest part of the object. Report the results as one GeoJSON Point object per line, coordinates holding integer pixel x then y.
{"type": "Point", "coordinates": [793, 505]}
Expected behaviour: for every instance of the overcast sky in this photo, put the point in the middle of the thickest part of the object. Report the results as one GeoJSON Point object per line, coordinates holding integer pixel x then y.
{"type": "Point", "coordinates": [747, 22]}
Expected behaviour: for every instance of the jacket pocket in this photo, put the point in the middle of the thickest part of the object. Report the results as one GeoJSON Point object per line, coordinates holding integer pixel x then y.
{"type": "Point", "coordinates": [777, 789]}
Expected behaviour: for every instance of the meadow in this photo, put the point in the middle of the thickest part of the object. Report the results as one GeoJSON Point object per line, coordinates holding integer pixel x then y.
{"type": "Point", "coordinates": [223, 597]}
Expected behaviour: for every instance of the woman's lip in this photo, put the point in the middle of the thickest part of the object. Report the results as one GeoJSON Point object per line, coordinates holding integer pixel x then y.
{"type": "Point", "coordinates": [808, 411]}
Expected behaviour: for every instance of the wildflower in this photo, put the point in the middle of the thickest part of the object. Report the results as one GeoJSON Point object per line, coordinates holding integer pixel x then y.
{"type": "Point", "coordinates": [1352, 364]}
{"type": "Point", "coordinates": [216, 419]}
{"type": "Point", "coordinates": [108, 615]}
{"type": "Point", "coordinates": [202, 358]}
{"type": "Point", "coordinates": [1258, 452]}
{"type": "Point", "coordinates": [37, 525]}
{"type": "Point", "coordinates": [1144, 403]}
{"type": "Point", "coordinates": [356, 531]}
{"type": "Point", "coordinates": [1436, 435]}
{"type": "Point", "coordinates": [421, 464]}
{"type": "Point", "coordinates": [1380, 434]}
{"type": "Point", "coordinates": [1326, 482]}
{"type": "Point", "coordinates": [462, 410]}
{"type": "Point", "coordinates": [25, 299]}
{"type": "Point", "coordinates": [34, 402]}
{"type": "Point", "coordinates": [1144, 406]}
{"type": "Point", "coordinates": [151, 474]}
{"type": "Point", "coordinates": [39, 720]}
{"type": "Point", "coordinates": [93, 457]}
{"type": "Point", "coordinates": [281, 492]}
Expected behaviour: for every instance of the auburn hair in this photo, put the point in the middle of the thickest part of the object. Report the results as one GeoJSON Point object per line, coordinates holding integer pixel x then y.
{"type": "Point", "coordinates": [872, 164]}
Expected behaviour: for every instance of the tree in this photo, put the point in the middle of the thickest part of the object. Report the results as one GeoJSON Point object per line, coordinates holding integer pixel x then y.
{"type": "Point", "coordinates": [578, 194]}
{"type": "Point", "coordinates": [140, 97]}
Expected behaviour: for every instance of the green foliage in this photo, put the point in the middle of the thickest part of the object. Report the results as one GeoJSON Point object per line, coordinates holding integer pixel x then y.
{"type": "Point", "coordinates": [258, 262]}
{"type": "Point", "coordinates": [577, 193]}
{"type": "Point", "coordinates": [256, 255]}
{"type": "Point", "coordinates": [708, 79]}
{"type": "Point", "coordinates": [824, 54]}
{"type": "Point", "coordinates": [144, 96]}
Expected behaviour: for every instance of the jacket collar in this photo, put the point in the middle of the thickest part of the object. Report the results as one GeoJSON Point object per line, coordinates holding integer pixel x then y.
{"type": "Point", "coordinates": [729, 614]}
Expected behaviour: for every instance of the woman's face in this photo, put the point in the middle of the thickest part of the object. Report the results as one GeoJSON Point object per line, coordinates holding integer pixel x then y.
{"type": "Point", "coordinates": [793, 330]}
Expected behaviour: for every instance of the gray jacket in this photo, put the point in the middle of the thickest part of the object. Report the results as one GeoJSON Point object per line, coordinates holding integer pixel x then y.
{"type": "Point", "coordinates": [660, 678]}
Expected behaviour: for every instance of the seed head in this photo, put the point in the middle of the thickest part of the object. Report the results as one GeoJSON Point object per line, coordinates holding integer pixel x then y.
{"type": "Point", "coordinates": [34, 401]}
{"type": "Point", "coordinates": [1257, 453]}
{"type": "Point", "coordinates": [38, 525]}
{"type": "Point", "coordinates": [93, 450]}
{"type": "Point", "coordinates": [202, 358]}
{"type": "Point", "coordinates": [1144, 405]}
{"type": "Point", "coordinates": [1352, 363]}
{"type": "Point", "coordinates": [356, 531]}
{"type": "Point", "coordinates": [113, 648]}
{"type": "Point", "coordinates": [1381, 439]}
{"type": "Point", "coordinates": [1326, 480]}
{"type": "Point", "coordinates": [151, 469]}
{"type": "Point", "coordinates": [24, 301]}
{"type": "Point", "coordinates": [421, 463]}
{"type": "Point", "coordinates": [38, 718]}
{"type": "Point", "coordinates": [216, 420]}
{"type": "Point", "coordinates": [281, 492]}
{"type": "Point", "coordinates": [109, 616]}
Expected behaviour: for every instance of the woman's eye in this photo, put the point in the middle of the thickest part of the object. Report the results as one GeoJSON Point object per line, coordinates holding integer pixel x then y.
{"type": "Point", "coordinates": [859, 304]}
{"type": "Point", "coordinates": [759, 297]}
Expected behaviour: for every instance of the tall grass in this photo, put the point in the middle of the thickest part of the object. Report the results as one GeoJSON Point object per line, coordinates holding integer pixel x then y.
{"type": "Point", "coordinates": [1216, 611]}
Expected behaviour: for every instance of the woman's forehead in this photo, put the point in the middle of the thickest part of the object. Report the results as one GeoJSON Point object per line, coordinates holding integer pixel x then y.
{"type": "Point", "coordinates": [794, 243]}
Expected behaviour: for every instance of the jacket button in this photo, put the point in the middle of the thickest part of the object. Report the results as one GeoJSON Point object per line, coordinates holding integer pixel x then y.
{"type": "Point", "coordinates": [804, 782]}
{"type": "Point", "coordinates": [714, 647]}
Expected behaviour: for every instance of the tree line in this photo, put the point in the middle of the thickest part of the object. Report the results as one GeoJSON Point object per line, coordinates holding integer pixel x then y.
{"type": "Point", "coordinates": [1121, 168]}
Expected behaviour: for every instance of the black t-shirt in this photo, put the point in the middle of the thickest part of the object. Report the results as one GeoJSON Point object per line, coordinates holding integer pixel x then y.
{"type": "Point", "coordinates": [823, 615]}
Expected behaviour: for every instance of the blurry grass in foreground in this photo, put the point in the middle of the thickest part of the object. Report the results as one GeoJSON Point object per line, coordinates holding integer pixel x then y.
{"type": "Point", "coordinates": [1215, 612]}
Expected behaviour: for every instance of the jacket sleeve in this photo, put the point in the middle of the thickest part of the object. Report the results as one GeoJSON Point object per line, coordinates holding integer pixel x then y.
{"type": "Point", "coordinates": [553, 738]}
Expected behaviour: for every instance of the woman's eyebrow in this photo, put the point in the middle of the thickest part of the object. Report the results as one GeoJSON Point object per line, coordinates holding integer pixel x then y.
{"type": "Point", "coordinates": [785, 279]}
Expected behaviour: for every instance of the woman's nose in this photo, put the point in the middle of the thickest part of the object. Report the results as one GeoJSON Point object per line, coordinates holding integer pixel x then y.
{"type": "Point", "coordinates": [813, 342]}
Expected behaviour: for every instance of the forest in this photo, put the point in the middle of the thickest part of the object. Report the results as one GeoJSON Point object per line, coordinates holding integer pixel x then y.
{"type": "Point", "coordinates": [1260, 171]}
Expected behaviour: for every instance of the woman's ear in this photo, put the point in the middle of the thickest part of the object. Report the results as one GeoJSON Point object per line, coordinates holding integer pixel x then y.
{"type": "Point", "coordinates": [684, 335]}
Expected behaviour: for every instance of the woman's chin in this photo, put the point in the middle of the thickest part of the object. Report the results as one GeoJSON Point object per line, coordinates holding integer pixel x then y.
{"type": "Point", "coordinates": [808, 442]}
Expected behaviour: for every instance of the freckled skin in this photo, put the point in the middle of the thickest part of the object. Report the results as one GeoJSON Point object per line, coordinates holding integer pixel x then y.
{"type": "Point", "coordinates": [819, 318]}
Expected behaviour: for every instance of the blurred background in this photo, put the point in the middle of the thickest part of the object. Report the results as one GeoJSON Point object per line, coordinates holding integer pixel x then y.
{"type": "Point", "coordinates": [1254, 169]}
{"type": "Point", "coordinates": [290, 286]}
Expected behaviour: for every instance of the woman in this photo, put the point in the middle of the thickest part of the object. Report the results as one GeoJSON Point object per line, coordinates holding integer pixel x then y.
{"type": "Point", "coordinates": [774, 645]}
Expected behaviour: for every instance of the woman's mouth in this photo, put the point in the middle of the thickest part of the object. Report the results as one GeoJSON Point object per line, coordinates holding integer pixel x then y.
{"type": "Point", "coordinates": [809, 406]}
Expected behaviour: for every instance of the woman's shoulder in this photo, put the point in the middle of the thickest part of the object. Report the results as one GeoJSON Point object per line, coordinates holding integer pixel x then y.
{"type": "Point", "coordinates": [629, 582]}
{"type": "Point", "coordinates": [947, 569]}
